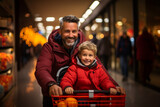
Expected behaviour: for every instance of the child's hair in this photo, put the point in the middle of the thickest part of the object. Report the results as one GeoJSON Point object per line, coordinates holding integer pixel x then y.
{"type": "Point", "coordinates": [88, 45]}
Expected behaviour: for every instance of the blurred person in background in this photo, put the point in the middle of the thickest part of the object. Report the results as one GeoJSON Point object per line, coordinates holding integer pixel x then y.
{"type": "Point", "coordinates": [146, 50]}
{"type": "Point", "coordinates": [94, 40]}
{"type": "Point", "coordinates": [124, 52]}
{"type": "Point", "coordinates": [61, 47]}
{"type": "Point", "coordinates": [104, 50]}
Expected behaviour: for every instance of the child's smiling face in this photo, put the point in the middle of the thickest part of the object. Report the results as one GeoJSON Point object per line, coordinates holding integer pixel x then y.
{"type": "Point", "coordinates": [87, 57]}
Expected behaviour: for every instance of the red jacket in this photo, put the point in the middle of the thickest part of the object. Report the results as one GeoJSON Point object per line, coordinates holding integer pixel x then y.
{"type": "Point", "coordinates": [53, 56]}
{"type": "Point", "coordinates": [81, 77]}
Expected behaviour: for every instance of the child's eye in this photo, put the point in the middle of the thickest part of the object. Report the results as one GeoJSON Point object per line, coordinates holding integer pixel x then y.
{"type": "Point", "coordinates": [90, 55]}
{"type": "Point", "coordinates": [84, 54]}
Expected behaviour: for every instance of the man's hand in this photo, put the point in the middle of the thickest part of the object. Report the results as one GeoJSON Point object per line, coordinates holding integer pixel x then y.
{"type": "Point", "coordinates": [121, 90]}
{"type": "Point", "coordinates": [55, 90]}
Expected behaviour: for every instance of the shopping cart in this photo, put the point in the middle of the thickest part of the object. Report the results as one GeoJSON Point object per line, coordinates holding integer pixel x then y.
{"type": "Point", "coordinates": [90, 100]}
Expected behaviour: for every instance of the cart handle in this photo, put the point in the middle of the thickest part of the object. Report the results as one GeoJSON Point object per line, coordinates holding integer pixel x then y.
{"type": "Point", "coordinates": [92, 91]}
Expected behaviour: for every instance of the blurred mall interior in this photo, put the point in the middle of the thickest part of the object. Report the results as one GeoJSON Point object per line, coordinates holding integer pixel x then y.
{"type": "Point", "coordinates": [24, 30]}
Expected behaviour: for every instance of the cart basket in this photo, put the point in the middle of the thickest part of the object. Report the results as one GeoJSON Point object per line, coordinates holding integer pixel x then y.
{"type": "Point", "coordinates": [91, 99]}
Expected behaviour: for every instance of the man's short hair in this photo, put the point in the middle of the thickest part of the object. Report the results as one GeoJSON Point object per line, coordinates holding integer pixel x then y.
{"type": "Point", "coordinates": [70, 19]}
{"type": "Point", "coordinates": [89, 46]}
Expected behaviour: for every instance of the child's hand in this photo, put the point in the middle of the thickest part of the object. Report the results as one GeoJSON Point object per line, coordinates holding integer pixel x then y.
{"type": "Point", "coordinates": [113, 91]}
{"type": "Point", "coordinates": [69, 90]}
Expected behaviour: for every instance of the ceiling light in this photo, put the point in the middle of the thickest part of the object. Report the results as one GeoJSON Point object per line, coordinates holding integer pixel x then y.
{"type": "Point", "coordinates": [90, 36]}
{"type": "Point", "coordinates": [106, 20]}
{"type": "Point", "coordinates": [85, 16]}
{"type": "Point", "coordinates": [119, 23]}
{"type": "Point", "coordinates": [57, 27]}
{"type": "Point", "coordinates": [158, 31]}
{"type": "Point", "coordinates": [49, 28]}
{"type": "Point", "coordinates": [106, 28]}
{"type": "Point", "coordinates": [94, 27]}
{"type": "Point", "coordinates": [94, 5]}
{"type": "Point", "coordinates": [88, 12]}
{"type": "Point", "coordinates": [87, 28]}
{"type": "Point", "coordinates": [101, 35]}
{"type": "Point", "coordinates": [42, 31]}
{"type": "Point", "coordinates": [40, 25]}
{"type": "Point", "coordinates": [37, 19]}
{"type": "Point", "coordinates": [50, 19]}
{"type": "Point", "coordinates": [27, 15]}
{"type": "Point", "coordinates": [81, 20]}
{"type": "Point", "coordinates": [60, 18]}
{"type": "Point", "coordinates": [98, 20]}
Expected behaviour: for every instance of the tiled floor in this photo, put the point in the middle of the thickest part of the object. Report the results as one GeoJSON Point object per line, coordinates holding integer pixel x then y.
{"type": "Point", "coordinates": [136, 94]}
{"type": "Point", "coordinates": [28, 90]}
{"type": "Point", "coordinates": [27, 93]}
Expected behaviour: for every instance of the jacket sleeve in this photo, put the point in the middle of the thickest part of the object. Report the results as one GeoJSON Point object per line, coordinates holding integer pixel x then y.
{"type": "Point", "coordinates": [44, 67]}
{"type": "Point", "coordinates": [69, 78]}
{"type": "Point", "coordinates": [105, 82]}
{"type": "Point", "coordinates": [104, 69]}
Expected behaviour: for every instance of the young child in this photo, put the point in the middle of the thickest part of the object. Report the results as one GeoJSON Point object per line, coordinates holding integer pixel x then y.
{"type": "Point", "coordinates": [85, 73]}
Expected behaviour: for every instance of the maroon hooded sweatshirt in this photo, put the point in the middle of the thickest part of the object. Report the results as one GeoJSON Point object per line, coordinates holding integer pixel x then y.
{"type": "Point", "coordinates": [53, 56]}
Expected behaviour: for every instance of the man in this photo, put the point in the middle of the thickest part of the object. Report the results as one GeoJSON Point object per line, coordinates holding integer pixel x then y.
{"type": "Point", "coordinates": [104, 45]}
{"type": "Point", "coordinates": [124, 52]}
{"type": "Point", "coordinates": [146, 51]}
{"type": "Point", "coordinates": [61, 47]}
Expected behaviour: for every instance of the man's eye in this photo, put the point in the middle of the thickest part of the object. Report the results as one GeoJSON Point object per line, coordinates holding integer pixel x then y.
{"type": "Point", "coordinates": [74, 31]}
{"type": "Point", "coordinates": [67, 31]}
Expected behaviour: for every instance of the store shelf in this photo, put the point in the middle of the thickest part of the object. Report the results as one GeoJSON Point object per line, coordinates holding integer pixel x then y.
{"type": "Point", "coordinates": [6, 28]}
{"type": "Point", "coordinates": [7, 52]}
{"type": "Point", "coordinates": [5, 71]}
{"type": "Point", "coordinates": [8, 98]}
{"type": "Point", "coordinates": [6, 47]}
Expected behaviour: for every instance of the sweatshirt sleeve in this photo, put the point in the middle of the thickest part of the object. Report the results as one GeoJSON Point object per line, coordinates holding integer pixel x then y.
{"type": "Point", "coordinates": [69, 78]}
{"type": "Point", "coordinates": [44, 67]}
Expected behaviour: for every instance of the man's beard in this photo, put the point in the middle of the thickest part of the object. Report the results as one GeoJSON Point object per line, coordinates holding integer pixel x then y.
{"type": "Point", "coordinates": [69, 44]}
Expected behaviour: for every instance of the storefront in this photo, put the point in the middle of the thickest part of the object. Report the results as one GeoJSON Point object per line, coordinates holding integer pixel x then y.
{"type": "Point", "coordinates": [118, 16]}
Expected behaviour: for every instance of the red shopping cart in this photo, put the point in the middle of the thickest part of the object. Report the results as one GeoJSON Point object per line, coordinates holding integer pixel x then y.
{"type": "Point", "coordinates": [90, 100]}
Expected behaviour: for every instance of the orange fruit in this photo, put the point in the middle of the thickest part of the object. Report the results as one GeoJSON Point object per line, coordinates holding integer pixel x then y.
{"type": "Point", "coordinates": [71, 102]}
{"type": "Point", "coordinates": [61, 104]}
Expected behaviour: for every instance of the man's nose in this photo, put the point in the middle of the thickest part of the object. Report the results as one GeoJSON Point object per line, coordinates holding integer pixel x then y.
{"type": "Point", "coordinates": [71, 34]}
